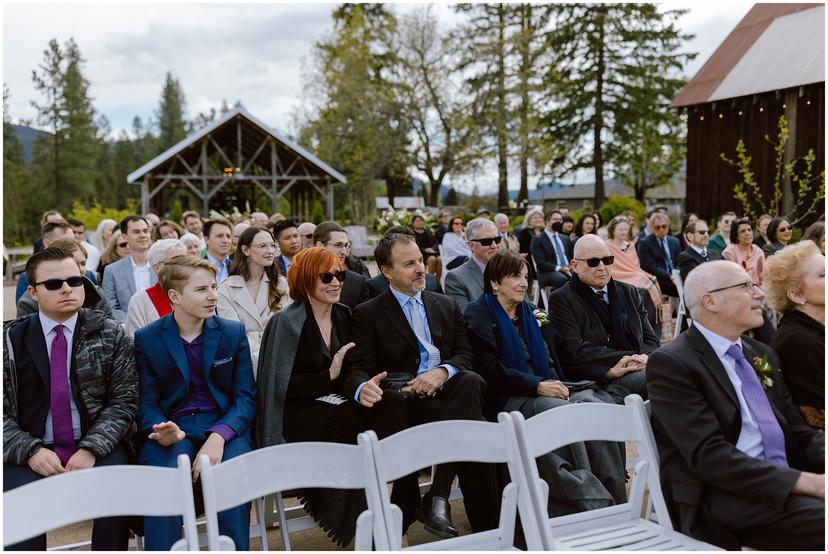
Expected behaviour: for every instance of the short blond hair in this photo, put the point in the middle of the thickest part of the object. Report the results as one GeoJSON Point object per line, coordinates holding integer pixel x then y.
{"type": "Point", "coordinates": [177, 270]}
{"type": "Point", "coordinates": [783, 273]}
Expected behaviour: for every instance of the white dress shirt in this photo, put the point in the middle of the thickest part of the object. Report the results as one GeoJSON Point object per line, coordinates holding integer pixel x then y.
{"type": "Point", "coordinates": [49, 333]}
{"type": "Point", "coordinates": [556, 242]}
{"type": "Point", "coordinates": [750, 438]}
{"type": "Point", "coordinates": [141, 274]}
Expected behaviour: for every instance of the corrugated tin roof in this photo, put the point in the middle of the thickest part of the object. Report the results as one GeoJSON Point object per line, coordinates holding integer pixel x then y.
{"type": "Point", "coordinates": [740, 42]}
{"type": "Point", "coordinates": [238, 111]}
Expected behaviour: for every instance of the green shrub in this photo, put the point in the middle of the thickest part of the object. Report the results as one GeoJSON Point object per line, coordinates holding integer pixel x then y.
{"type": "Point", "coordinates": [93, 215]}
{"type": "Point", "coordinates": [616, 205]}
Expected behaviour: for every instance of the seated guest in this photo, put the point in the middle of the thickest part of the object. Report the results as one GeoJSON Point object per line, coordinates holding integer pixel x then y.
{"type": "Point", "coordinates": [567, 226]}
{"type": "Point", "coordinates": [255, 290]}
{"type": "Point", "coordinates": [192, 243]}
{"type": "Point", "coordinates": [259, 219]}
{"type": "Point", "coordinates": [47, 217]}
{"type": "Point", "coordinates": [167, 229]}
{"type": "Point", "coordinates": [518, 361]}
{"type": "Point", "coordinates": [218, 236]}
{"type": "Point", "coordinates": [659, 252]}
{"type": "Point", "coordinates": [238, 229]}
{"type": "Point", "coordinates": [739, 466]}
{"type": "Point", "coordinates": [742, 250]}
{"type": "Point", "coordinates": [117, 249]}
{"type": "Point", "coordinates": [94, 294]}
{"type": "Point", "coordinates": [427, 243]}
{"type": "Point", "coordinates": [780, 232]}
{"type": "Point", "coordinates": [379, 284]}
{"type": "Point", "coordinates": [332, 236]}
{"type": "Point", "coordinates": [192, 223]}
{"type": "Point", "coordinates": [288, 242]}
{"type": "Point", "coordinates": [465, 283]}
{"type": "Point", "coordinates": [795, 280]}
{"type": "Point", "coordinates": [50, 232]}
{"type": "Point", "coordinates": [627, 269]}
{"type": "Point", "coordinates": [686, 220]}
{"type": "Point", "coordinates": [606, 336]}
{"type": "Point", "coordinates": [103, 232]}
{"type": "Point", "coordinates": [71, 389]}
{"type": "Point", "coordinates": [454, 242]}
{"type": "Point", "coordinates": [152, 304]}
{"type": "Point", "coordinates": [510, 241]}
{"type": "Point", "coordinates": [586, 225]}
{"type": "Point", "coordinates": [409, 330]}
{"type": "Point", "coordinates": [306, 230]}
{"type": "Point", "coordinates": [721, 239]}
{"type": "Point", "coordinates": [301, 392]}
{"type": "Point", "coordinates": [93, 255]}
{"type": "Point", "coordinates": [552, 251]}
{"type": "Point", "coordinates": [444, 226]}
{"type": "Point", "coordinates": [133, 273]}
{"type": "Point", "coordinates": [816, 234]}
{"type": "Point", "coordinates": [697, 253]}
{"type": "Point", "coordinates": [761, 234]}
{"type": "Point", "coordinates": [533, 225]}
{"type": "Point", "coordinates": [197, 390]}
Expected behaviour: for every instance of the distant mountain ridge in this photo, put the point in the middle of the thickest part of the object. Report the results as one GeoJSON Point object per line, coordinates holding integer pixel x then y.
{"type": "Point", "coordinates": [27, 135]}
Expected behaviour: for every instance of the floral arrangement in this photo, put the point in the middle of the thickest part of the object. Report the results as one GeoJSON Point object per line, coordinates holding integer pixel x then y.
{"type": "Point", "coordinates": [235, 215]}
{"type": "Point", "coordinates": [391, 217]}
{"type": "Point", "coordinates": [764, 370]}
{"type": "Point", "coordinates": [541, 317]}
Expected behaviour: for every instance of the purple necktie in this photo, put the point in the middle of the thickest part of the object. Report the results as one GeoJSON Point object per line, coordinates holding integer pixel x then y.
{"type": "Point", "coordinates": [61, 411]}
{"type": "Point", "coordinates": [773, 438]}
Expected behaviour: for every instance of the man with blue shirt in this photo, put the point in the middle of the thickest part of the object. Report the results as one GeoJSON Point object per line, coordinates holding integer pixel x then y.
{"type": "Point", "coordinates": [218, 236]}
{"type": "Point", "coordinates": [552, 252]}
{"type": "Point", "coordinates": [739, 466]}
{"type": "Point", "coordinates": [409, 330]}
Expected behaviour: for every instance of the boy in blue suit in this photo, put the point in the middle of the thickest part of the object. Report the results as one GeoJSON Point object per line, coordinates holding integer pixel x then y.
{"type": "Point", "coordinates": [198, 394]}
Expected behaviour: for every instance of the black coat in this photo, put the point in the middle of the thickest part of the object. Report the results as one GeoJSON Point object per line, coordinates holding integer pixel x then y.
{"type": "Point", "coordinates": [386, 342]}
{"type": "Point", "coordinates": [585, 351]}
{"type": "Point", "coordinates": [544, 253]}
{"type": "Point", "coordinates": [354, 290]}
{"type": "Point", "coordinates": [697, 422]}
{"type": "Point", "coordinates": [653, 260]}
{"type": "Point", "coordinates": [690, 260]}
{"type": "Point", "coordinates": [800, 343]}
{"type": "Point", "coordinates": [379, 284]}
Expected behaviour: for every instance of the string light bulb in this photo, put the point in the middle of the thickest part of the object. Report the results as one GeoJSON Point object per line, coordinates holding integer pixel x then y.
{"type": "Point", "coordinates": [721, 116]}
{"type": "Point", "coordinates": [740, 112]}
{"type": "Point", "coordinates": [761, 109]}
{"type": "Point", "coordinates": [701, 118]}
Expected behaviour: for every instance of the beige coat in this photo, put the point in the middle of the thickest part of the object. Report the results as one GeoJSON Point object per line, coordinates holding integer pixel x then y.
{"type": "Point", "coordinates": [235, 302]}
{"type": "Point", "coordinates": [140, 313]}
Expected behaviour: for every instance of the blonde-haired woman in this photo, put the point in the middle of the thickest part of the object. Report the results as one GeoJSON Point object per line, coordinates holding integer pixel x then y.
{"type": "Point", "coordinates": [795, 282]}
{"type": "Point", "coordinates": [533, 225]}
{"type": "Point", "coordinates": [116, 248]}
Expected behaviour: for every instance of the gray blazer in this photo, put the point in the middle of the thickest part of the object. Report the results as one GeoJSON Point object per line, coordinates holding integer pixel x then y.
{"type": "Point", "coordinates": [119, 286]}
{"type": "Point", "coordinates": [465, 283]}
{"type": "Point", "coordinates": [276, 355]}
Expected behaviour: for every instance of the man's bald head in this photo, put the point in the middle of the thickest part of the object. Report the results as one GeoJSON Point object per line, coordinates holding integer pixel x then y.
{"type": "Point", "coordinates": [588, 247]}
{"type": "Point", "coordinates": [731, 309]}
{"type": "Point", "coordinates": [591, 246]}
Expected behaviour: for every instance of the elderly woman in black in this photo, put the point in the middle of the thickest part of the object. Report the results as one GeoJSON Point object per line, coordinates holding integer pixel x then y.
{"type": "Point", "coordinates": [303, 350]}
{"type": "Point", "coordinates": [515, 353]}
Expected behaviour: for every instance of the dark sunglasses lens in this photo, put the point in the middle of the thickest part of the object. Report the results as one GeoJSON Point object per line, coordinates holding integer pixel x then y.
{"type": "Point", "coordinates": [593, 262]}
{"type": "Point", "coordinates": [609, 260]}
{"type": "Point", "coordinates": [489, 241]}
{"type": "Point", "coordinates": [57, 284]}
{"type": "Point", "coordinates": [340, 276]}
{"type": "Point", "coordinates": [326, 278]}
{"type": "Point", "coordinates": [75, 281]}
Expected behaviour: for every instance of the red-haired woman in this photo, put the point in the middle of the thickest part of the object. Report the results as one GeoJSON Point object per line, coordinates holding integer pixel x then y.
{"type": "Point", "coordinates": [304, 348]}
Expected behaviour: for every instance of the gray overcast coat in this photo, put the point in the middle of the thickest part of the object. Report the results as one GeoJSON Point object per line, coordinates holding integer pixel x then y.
{"type": "Point", "coordinates": [465, 283]}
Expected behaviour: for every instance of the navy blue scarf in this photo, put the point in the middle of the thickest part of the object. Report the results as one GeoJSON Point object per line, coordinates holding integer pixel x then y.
{"type": "Point", "coordinates": [511, 349]}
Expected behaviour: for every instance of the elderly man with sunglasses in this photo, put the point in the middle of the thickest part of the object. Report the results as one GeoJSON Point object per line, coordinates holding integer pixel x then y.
{"type": "Point", "coordinates": [465, 283]}
{"type": "Point", "coordinates": [71, 389]}
{"type": "Point", "coordinates": [605, 334]}
{"type": "Point", "coordinates": [658, 253]}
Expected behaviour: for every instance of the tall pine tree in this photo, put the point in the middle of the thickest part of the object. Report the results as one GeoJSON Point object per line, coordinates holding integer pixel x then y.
{"type": "Point", "coordinates": [172, 127]}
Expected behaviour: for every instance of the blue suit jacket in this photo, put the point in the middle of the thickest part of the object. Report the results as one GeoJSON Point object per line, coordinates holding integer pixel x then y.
{"type": "Point", "coordinates": [165, 374]}
{"type": "Point", "coordinates": [652, 255]}
{"type": "Point", "coordinates": [543, 253]}
{"type": "Point", "coordinates": [119, 286]}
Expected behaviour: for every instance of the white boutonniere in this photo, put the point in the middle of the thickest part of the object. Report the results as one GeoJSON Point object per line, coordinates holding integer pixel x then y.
{"type": "Point", "coordinates": [764, 370]}
{"type": "Point", "coordinates": [541, 317]}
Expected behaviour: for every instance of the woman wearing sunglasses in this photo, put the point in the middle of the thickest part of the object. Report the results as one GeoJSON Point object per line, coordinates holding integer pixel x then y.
{"type": "Point", "coordinates": [254, 291]}
{"type": "Point", "coordinates": [780, 232]}
{"type": "Point", "coordinates": [116, 249]}
{"type": "Point", "coordinates": [302, 355]}
{"type": "Point", "coordinates": [454, 242]}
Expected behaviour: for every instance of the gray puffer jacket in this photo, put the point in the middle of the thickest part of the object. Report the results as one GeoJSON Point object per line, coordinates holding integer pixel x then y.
{"type": "Point", "coordinates": [106, 380]}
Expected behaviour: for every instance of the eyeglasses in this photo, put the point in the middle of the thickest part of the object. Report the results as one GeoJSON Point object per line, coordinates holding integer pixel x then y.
{"type": "Point", "coordinates": [488, 241]}
{"type": "Point", "coordinates": [701, 231]}
{"type": "Point", "coordinates": [339, 245]}
{"type": "Point", "coordinates": [123, 244]}
{"type": "Point", "coordinates": [659, 227]}
{"type": "Point", "coordinates": [308, 236]}
{"type": "Point", "coordinates": [264, 245]}
{"type": "Point", "coordinates": [327, 277]}
{"type": "Point", "coordinates": [593, 262]}
{"type": "Point", "coordinates": [57, 284]}
{"type": "Point", "coordinates": [749, 286]}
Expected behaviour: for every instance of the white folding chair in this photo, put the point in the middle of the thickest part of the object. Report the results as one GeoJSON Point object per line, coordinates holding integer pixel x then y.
{"type": "Point", "coordinates": [285, 467]}
{"type": "Point", "coordinates": [101, 492]}
{"type": "Point", "coordinates": [681, 312]}
{"type": "Point", "coordinates": [614, 527]}
{"type": "Point", "coordinates": [453, 441]}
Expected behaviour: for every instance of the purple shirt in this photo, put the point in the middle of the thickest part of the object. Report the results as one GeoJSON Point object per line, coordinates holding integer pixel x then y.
{"type": "Point", "coordinates": [199, 398]}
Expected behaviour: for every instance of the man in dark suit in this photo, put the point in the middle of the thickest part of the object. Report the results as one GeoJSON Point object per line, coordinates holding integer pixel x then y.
{"type": "Point", "coordinates": [379, 284]}
{"type": "Point", "coordinates": [552, 252]}
{"type": "Point", "coordinates": [739, 466]}
{"type": "Point", "coordinates": [198, 394]}
{"type": "Point", "coordinates": [409, 330]}
{"type": "Point", "coordinates": [71, 389]}
{"type": "Point", "coordinates": [331, 235]}
{"type": "Point", "coordinates": [606, 335]}
{"type": "Point", "coordinates": [697, 253]}
{"type": "Point", "coordinates": [287, 237]}
{"type": "Point", "coordinates": [658, 253]}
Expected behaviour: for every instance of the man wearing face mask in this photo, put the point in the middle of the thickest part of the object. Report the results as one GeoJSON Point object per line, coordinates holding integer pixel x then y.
{"type": "Point", "coordinates": [552, 252]}
{"type": "Point", "coordinates": [465, 283]}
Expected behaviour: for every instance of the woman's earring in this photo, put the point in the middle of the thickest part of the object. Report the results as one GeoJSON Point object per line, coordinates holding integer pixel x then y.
{"type": "Point", "coordinates": [494, 291]}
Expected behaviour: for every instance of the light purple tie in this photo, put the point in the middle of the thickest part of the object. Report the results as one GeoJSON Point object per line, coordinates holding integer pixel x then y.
{"type": "Point", "coordinates": [61, 411]}
{"type": "Point", "coordinates": [773, 438]}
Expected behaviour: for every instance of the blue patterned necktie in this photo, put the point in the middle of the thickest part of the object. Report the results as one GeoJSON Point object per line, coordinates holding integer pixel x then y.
{"type": "Point", "coordinates": [559, 251]}
{"type": "Point", "coordinates": [667, 261]}
{"type": "Point", "coordinates": [419, 332]}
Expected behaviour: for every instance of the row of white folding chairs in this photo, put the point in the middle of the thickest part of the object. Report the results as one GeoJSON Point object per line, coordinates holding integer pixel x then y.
{"type": "Point", "coordinates": [372, 464]}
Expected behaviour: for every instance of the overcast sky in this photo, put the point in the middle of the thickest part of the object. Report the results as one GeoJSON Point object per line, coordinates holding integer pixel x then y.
{"type": "Point", "coordinates": [256, 53]}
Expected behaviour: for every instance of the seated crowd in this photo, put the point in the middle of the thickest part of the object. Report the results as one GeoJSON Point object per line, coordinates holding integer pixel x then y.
{"type": "Point", "coordinates": [218, 337]}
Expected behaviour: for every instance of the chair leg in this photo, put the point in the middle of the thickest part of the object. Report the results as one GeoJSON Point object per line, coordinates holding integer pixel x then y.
{"type": "Point", "coordinates": [283, 527]}
{"type": "Point", "coordinates": [260, 522]}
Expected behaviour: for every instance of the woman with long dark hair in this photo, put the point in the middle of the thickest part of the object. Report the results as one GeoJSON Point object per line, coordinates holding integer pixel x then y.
{"type": "Point", "coordinates": [780, 232]}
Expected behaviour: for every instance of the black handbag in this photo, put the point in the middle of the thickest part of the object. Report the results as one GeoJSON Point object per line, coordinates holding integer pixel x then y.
{"type": "Point", "coordinates": [395, 381]}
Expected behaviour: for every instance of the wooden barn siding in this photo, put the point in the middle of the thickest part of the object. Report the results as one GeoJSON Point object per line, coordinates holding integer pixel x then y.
{"type": "Point", "coordinates": [710, 180]}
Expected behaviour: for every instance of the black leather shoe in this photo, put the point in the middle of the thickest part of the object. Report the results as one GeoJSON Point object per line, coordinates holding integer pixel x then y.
{"type": "Point", "coordinates": [438, 517]}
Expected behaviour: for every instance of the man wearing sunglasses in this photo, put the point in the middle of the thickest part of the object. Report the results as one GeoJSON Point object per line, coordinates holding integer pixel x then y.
{"type": "Point", "coordinates": [465, 283]}
{"type": "Point", "coordinates": [333, 236]}
{"type": "Point", "coordinates": [739, 466]}
{"type": "Point", "coordinates": [606, 335]}
{"type": "Point", "coordinates": [306, 230]}
{"type": "Point", "coordinates": [697, 252]}
{"type": "Point", "coordinates": [658, 253]}
{"type": "Point", "coordinates": [552, 252]}
{"type": "Point", "coordinates": [71, 389]}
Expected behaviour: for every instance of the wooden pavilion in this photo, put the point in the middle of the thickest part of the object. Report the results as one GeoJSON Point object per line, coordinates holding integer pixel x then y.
{"type": "Point", "coordinates": [233, 162]}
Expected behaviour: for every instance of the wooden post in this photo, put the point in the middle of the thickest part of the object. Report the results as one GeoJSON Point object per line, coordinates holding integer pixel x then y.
{"type": "Point", "coordinates": [145, 195]}
{"type": "Point", "coordinates": [274, 199]}
{"type": "Point", "coordinates": [791, 101]}
{"type": "Point", "coordinates": [205, 209]}
{"type": "Point", "coordinates": [330, 198]}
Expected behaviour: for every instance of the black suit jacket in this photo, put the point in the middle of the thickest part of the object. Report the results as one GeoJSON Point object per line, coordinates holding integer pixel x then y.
{"type": "Point", "coordinates": [379, 284]}
{"type": "Point", "coordinates": [697, 422]}
{"type": "Point", "coordinates": [690, 260]}
{"type": "Point", "coordinates": [543, 253]}
{"type": "Point", "coordinates": [585, 351]}
{"type": "Point", "coordinates": [653, 260]}
{"type": "Point", "coordinates": [354, 289]}
{"type": "Point", "coordinates": [386, 342]}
